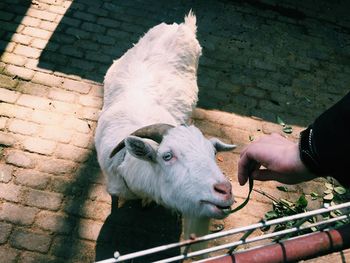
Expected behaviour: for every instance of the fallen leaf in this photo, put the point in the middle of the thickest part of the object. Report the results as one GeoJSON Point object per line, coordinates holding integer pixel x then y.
{"type": "Point", "coordinates": [329, 185]}
{"type": "Point", "coordinates": [328, 197]}
{"type": "Point", "coordinates": [340, 190]}
{"type": "Point", "coordinates": [282, 188]}
{"type": "Point", "coordinates": [288, 129]}
{"type": "Point", "coordinates": [280, 121]}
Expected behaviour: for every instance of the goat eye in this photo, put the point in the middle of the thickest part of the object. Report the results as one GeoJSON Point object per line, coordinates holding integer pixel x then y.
{"type": "Point", "coordinates": [168, 156]}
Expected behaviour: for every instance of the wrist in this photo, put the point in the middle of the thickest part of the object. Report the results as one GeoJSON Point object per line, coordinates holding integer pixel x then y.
{"type": "Point", "coordinates": [307, 153]}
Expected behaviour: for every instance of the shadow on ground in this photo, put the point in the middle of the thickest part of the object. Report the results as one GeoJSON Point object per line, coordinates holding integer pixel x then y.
{"type": "Point", "coordinates": [132, 228]}
{"type": "Point", "coordinates": [9, 26]}
{"type": "Point", "coordinates": [127, 228]}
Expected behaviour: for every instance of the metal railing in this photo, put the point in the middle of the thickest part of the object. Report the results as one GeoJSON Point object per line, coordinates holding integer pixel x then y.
{"type": "Point", "coordinates": [229, 248]}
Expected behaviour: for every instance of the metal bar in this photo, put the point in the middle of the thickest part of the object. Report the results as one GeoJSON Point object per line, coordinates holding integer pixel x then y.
{"type": "Point", "coordinates": [304, 247]}
{"type": "Point", "coordinates": [250, 240]}
{"type": "Point", "coordinates": [223, 234]}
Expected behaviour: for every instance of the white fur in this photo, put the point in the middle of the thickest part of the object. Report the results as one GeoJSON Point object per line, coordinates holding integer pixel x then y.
{"type": "Point", "coordinates": [156, 82]}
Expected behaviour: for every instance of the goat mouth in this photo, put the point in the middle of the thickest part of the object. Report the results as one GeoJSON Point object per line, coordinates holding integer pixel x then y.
{"type": "Point", "coordinates": [222, 208]}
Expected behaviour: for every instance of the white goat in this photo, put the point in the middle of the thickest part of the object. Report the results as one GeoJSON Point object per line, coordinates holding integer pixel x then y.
{"type": "Point", "coordinates": [143, 146]}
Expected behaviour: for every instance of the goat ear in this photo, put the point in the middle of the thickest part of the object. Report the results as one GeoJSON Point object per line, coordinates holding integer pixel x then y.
{"type": "Point", "coordinates": [139, 148]}
{"type": "Point", "coordinates": [221, 146]}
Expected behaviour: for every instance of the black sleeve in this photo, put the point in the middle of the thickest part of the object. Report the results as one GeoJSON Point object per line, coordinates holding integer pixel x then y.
{"type": "Point", "coordinates": [329, 142]}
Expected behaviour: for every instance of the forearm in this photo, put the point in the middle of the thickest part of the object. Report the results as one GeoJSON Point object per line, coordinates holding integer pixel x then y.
{"type": "Point", "coordinates": [330, 142]}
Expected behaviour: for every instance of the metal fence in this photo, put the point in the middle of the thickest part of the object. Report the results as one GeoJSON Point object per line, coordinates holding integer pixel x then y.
{"type": "Point", "coordinates": [322, 224]}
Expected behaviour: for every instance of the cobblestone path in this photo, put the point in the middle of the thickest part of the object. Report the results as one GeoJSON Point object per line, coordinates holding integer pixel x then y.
{"type": "Point", "coordinates": [261, 59]}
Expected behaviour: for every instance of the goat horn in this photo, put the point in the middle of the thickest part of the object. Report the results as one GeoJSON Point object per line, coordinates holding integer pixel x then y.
{"type": "Point", "coordinates": [154, 132]}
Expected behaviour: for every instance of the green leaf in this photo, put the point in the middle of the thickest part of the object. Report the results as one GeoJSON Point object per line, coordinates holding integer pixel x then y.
{"type": "Point", "coordinates": [282, 188]}
{"type": "Point", "coordinates": [314, 195]}
{"type": "Point", "coordinates": [286, 202]}
{"type": "Point", "coordinates": [287, 129]}
{"type": "Point", "coordinates": [313, 229]}
{"type": "Point", "coordinates": [280, 121]}
{"type": "Point", "coordinates": [270, 215]}
{"type": "Point", "coordinates": [329, 185]}
{"type": "Point", "coordinates": [340, 190]}
{"type": "Point", "coordinates": [302, 202]}
{"type": "Point", "coordinates": [328, 197]}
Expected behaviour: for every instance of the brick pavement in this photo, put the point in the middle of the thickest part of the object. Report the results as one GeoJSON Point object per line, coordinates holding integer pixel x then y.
{"type": "Point", "coordinates": [259, 59]}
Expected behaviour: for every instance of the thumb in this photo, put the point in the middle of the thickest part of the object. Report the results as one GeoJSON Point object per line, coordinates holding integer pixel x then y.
{"type": "Point", "coordinates": [266, 175]}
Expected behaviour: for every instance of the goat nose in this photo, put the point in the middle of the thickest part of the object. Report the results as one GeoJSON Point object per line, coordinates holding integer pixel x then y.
{"type": "Point", "coordinates": [223, 189]}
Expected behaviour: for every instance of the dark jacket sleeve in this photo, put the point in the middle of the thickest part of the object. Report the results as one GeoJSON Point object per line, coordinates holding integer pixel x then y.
{"type": "Point", "coordinates": [331, 142]}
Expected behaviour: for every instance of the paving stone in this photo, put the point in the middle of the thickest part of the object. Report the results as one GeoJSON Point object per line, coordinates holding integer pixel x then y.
{"type": "Point", "coordinates": [30, 241]}
{"type": "Point", "coordinates": [77, 86]}
{"type": "Point", "coordinates": [41, 14]}
{"type": "Point", "coordinates": [8, 95]}
{"type": "Point", "coordinates": [82, 140]}
{"type": "Point", "coordinates": [56, 166]}
{"type": "Point", "coordinates": [56, 133]}
{"type": "Point", "coordinates": [39, 43]}
{"type": "Point", "coordinates": [35, 257]}
{"type": "Point", "coordinates": [49, 26]}
{"type": "Point", "coordinates": [8, 254]}
{"type": "Point", "coordinates": [70, 50]}
{"type": "Point", "coordinates": [61, 95]}
{"type": "Point", "coordinates": [76, 124]}
{"type": "Point", "coordinates": [19, 159]}
{"type": "Point", "coordinates": [89, 113]}
{"type": "Point", "coordinates": [98, 192]}
{"type": "Point", "coordinates": [6, 16]}
{"type": "Point", "coordinates": [10, 110]}
{"type": "Point", "coordinates": [37, 32]}
{"type": "Point", "coordinates": [30, 88]}
{"type": "Point", "coordinates": [46, 117]}
{"type": "Point", "coordinates": [96, 91]}
{"type": "Point", "coordinates": [90, 101]}
{"type": "Point", "coordinates": [54, 222]}
{"type": "Point", "coordinates": [12, 59]}
{"type": "Point", "coordinates": [17, 214]}
{"type": "Point", "coordinates": [3, 122]}
{"type": "Point", "coordinates": [22, 39]}
{"type": "Point", "coordinates": [32, 178]}
{"type": "Point", "coordinates": [10, 192]}
{"type": "Point", "coordinates": [20, 72]}
{"type": "Point", "coordinates": [7, 82]}
{"type": "Point", "coordinates": [66, 247]}
{"type": "Point", "coordinates": [30, 21]}
{"type": "Point", "coordinates": [34, 102]}
{"type": "Point", "coordinates": [89, 229]}
{"type": "Point", "coordinates": [69, 152]}
{"type": "Point", "coordinates": [23, 127]}
{"type": "Point", "coordinates": [57, 9]}
{"type": "Point", "coordinates": [43, 199]}
{"type": "Point", "coordinates": [6, 139]}
{"type": "Point", "coordinates": [5, 173]}
{"type": "Point", "coordinates": [84, 16]}
{"type": "Point", "coordinates": [92, 27]}
{"type": "Point", "coordinates": [71, 21]}
{"type": "Point", "coordinates": [27, 51]}
{"type": "Point", "coordinates": [47, 79]}
{"type": "Point", "coordinates": [38, 145]}
{"type": "Point", "coordinates": [64, 107]}
{"type": "Point", "coordinates": [88, 209]}
{"type": "Point", "coordinates": [5, 230]}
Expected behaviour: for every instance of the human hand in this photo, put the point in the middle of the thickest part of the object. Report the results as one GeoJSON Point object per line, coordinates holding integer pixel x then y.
{"type": "Point", "coordinates": [272, 157]}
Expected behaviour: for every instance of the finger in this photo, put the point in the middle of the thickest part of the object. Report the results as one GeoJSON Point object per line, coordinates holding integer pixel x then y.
{"type": "Point", "coordinates": [265, 175]}
{"type": "Point", "coordinates": [243, 169]}
{"type": "Point", "coordinates": [268, 175]}
{"type": "Point", "coordinates": [246, 166]}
